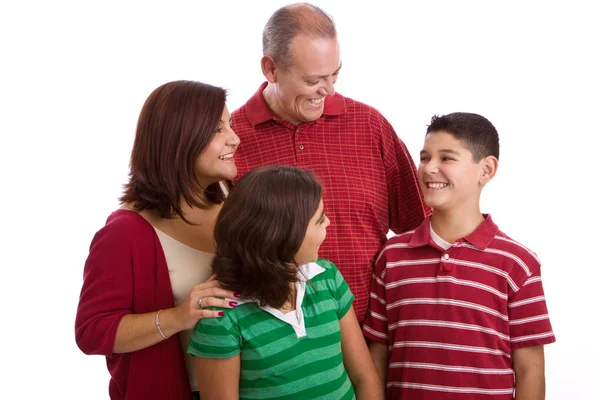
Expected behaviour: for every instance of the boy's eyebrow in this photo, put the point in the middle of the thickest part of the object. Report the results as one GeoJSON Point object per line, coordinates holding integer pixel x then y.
{"type": "Point", "coordinates": [450, 151]}
{"type": "Point", "coordinates": [441, 151]}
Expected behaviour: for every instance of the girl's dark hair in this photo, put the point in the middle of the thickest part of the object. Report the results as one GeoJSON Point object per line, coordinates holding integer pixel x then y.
{"type": "Point", "coordinates": [261, 228]}
{"type": "Point", "coordinates": [177, 122]}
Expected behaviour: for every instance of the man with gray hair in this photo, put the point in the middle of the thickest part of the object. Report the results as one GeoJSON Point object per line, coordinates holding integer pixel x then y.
{"type": "Point", "coordinates": [296, 118]}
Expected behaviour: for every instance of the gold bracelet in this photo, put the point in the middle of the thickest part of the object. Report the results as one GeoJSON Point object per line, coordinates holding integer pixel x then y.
{"type": "Point", "coordinates": [158, 325]}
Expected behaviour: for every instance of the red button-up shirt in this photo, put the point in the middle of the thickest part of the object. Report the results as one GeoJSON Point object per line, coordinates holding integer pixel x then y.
{"type": "Point", "coordinates": [369, 179]}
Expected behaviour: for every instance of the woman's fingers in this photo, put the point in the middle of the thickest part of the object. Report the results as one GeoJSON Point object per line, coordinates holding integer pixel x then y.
{"type": "Point", "coordinates": [214, 302]}
{"type": "Point", "coordinates": [213, 292]}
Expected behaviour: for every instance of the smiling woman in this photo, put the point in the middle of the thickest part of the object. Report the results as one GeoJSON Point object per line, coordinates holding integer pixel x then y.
{"type": "Point", "coordinates": [147, 278]}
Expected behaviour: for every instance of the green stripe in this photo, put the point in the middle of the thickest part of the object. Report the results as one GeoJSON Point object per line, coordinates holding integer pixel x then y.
{"type": "Point", "coordinates": [275, 363]}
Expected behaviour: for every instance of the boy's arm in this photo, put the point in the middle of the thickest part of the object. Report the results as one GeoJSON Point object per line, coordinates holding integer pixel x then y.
{"type": "Point", "coordinates": [528, 364]}
{"type": "Point", "coordinates": [379, 354]}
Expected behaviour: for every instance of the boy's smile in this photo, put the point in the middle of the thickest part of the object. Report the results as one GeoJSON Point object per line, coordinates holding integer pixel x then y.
{"type": "Point", "coordinates": [448, 175]}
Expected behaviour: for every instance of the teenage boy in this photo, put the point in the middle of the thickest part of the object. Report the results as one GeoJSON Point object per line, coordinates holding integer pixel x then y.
{"type": "Point", "coordinates": [457, 308]}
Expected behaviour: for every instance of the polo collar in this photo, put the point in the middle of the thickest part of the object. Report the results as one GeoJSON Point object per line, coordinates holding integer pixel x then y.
{"type": "Point", "coordinates": [480, 237]}
{"type": "Point", "coordinates": [257, 110]}
{"type": "Point", "coordinates": [294, 318]}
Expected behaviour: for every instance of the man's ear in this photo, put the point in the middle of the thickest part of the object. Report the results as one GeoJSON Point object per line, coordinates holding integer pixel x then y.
{"type": "Point", "coordinates": [269, 69]}
{"type": "Point", "coordinates": [489, 167]}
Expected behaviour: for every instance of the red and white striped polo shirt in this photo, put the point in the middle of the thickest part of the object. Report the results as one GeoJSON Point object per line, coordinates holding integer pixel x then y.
{"type": "Point", "coordinates": [369, 179]}
{"type": "Point", "coordinates": [452, 317]}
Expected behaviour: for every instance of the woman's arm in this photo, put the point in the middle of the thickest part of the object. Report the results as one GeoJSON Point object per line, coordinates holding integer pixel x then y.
{"type": "Point", "coordinates": [357, 360]}
{"type": "Point", "coordinates": [528, 364]}
{"type": "Point", "coordinates": [218, 378]}
{"type": "Point", "coordinates": [138, 331]}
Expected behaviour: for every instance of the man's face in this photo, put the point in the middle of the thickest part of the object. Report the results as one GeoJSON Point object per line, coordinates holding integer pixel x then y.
{"type": "Point", "coordinates": [300, 89]}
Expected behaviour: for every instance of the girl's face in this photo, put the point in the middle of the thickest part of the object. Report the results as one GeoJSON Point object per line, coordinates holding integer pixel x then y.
{"type": "Point", "coordinates": [315, 234]}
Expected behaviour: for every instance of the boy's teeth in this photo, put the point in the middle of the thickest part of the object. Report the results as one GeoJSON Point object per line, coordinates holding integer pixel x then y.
{"type": "Point", "coordinates": [437, 185]}
{"type": "Point", "coordinates": [226, 156]}
{"type": "Point", "coordinates": [317, 101]}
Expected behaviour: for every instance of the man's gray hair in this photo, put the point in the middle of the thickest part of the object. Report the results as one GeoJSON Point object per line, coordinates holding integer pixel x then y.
{"type": "Point", "coordinates": [289, 21]}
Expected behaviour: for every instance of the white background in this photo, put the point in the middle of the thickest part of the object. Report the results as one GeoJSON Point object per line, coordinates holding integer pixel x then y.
{"type": "Point", "coordinates": [75, 75]}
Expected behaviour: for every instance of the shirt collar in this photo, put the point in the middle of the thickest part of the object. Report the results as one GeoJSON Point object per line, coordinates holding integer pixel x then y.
{"type": "Point", "coordinates": [257, 110]}
{"type": "Point", "coordinates": [480, 237]}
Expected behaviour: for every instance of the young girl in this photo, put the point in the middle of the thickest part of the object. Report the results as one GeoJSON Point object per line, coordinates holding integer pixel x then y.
{"type": "Point", "coordinates": [294, 334]}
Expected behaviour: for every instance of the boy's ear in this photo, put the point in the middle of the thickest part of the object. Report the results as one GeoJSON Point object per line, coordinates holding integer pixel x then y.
{"type": "Point", "coordinates": [268, 67]}
{"type": "Point", "coordinates": [489, 167]}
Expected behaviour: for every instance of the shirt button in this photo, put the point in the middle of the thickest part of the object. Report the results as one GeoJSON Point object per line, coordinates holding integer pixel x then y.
{"type": "Point", "coordinates": [301, 147]}
{"type": "Point", "coordinates": [446, 256]}
{"type": "Point", "coordinates": [299, 130]}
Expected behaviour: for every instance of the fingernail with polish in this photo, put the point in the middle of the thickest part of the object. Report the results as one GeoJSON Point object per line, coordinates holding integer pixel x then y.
{"type": "Point", "coordinates": [232, 303]}
{"type": "Point", "coordinates": [236, 295]}
{"type": "Point", "coordinates": [221, 313]}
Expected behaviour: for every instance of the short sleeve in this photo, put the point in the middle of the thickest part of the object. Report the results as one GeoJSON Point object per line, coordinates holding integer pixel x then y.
{"type": "Point", "coordinates": [407, 208]}
{"type": "Point", "coordinates": [216, 337]}
{"type": "Point", "coordinates": [340, 289]}
{"type": "Point", "coordinates": [528, 314]}
{"type": "Point", "coordinates": [375, 325]}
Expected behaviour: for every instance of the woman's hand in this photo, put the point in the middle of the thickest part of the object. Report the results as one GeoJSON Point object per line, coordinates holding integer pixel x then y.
{"type": "Point", "coordinates": [203, 295]}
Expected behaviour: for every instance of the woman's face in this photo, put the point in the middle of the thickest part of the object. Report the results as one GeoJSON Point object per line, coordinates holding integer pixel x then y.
{"type": "Point", "coordinates": [216, 163]}
{"type": "Point", "coordinates": [315, 235]}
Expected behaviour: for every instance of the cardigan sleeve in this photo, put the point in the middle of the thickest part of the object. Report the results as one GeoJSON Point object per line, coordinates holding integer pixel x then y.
{"type": "Point", "coordinates": [106, 295]}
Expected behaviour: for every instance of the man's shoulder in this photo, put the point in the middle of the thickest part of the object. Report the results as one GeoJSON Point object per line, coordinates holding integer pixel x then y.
{"type": "Point", "coordinates": [356, 106]}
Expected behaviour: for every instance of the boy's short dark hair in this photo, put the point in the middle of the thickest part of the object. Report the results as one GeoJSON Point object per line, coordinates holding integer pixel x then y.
{"type": "Point", "coordinates": [260, 229]}
{"type": "Point", "coordinates": [476, 132]}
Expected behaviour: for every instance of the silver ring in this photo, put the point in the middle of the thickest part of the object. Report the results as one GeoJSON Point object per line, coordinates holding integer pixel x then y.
{"type": "Point", "coordinates": [199, 303]}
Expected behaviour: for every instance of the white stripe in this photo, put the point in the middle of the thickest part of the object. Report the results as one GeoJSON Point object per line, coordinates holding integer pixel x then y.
{"type": "Point", "coordinates": [453, 368]}
{"type": "Point", "coordinates": [531, 337]}
{"type": "Point", "coordinates": [450, 389]}
{"type": "Point", "coordinates": [455, 347]}
{"type": "Point", "coordinates": [374, 296]}
{"type": "Point", "coordinates": [526, 301]}
{"type": "Point", "coordinates": [375, 333]}
{"type": "Point", "coordinates": [405, 263]}
{"type": "Point", "coordinates": [502, 253]}
{"type": "Point", "coordinates": [394, 246]}
{"type": "Point", "coordinates": [533, 279]}
{"type": "Point", "coordinates": [379, 281]}
{"type": "Point", "coordinates": [530, 319]}
{"type": "Point", "coordinates": [447, 324]}
{"type": "Point", "coordinates": [458, 303]}
{"type": "Point", "coordinates": [520, 245]}
{"type": "Point", "coordinates": [452, 279]}
{"type": "Point", "coordinates": [485, 267]}
{"type": "Point", "coordinates": [378, 316]}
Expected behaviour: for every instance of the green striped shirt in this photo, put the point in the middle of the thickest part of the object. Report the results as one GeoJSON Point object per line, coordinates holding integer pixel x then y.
{"type": "Point", "coordinates": [276, 361]}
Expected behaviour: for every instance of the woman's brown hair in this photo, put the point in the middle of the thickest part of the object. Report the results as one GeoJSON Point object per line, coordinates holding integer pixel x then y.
{"type": "Point", "coordinates": [261, 228]}
{"type": "Point", "coordinates": [177, 122]}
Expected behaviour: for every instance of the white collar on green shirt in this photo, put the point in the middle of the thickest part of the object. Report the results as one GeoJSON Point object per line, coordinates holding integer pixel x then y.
{"type": "Point", "coordinates": [296, 317]}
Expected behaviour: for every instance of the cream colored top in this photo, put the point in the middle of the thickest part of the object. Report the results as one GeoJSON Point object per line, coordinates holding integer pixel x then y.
{"type": "Point", "coordinates": [187, 267]}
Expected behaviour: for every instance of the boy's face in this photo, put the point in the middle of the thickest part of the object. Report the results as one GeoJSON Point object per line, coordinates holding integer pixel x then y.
{"type": "Point", "coordinates": [449, 177]}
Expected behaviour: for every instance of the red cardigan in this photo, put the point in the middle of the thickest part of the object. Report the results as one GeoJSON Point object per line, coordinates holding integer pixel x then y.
{"type": "Point", "coordinates": [126, 272]}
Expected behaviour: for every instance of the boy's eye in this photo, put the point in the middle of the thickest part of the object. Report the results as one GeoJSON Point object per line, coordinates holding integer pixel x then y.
{"type": "Point", "coordinates": [311, 83]}
{"type": "Point", "coordinates": [447, 159]}
{"type": "Point", "coordinates": [423, 159]}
